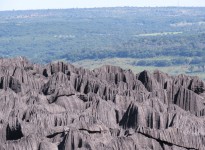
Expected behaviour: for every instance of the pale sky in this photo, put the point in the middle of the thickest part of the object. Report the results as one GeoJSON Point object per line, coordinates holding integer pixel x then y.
{"type": "Point", "coordinates": [49, 4]}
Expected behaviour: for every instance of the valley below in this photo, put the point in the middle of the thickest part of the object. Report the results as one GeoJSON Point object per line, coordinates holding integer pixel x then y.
{"type": "Point", "coordinates": [165, 38]}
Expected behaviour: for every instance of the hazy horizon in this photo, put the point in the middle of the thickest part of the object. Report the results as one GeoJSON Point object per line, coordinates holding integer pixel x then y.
{"type": "Point", "coordinates": [63, 4]}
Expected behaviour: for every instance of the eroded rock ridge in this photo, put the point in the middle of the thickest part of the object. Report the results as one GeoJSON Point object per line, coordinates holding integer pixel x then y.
{"type": "Point", "coordinates": [61, 107]}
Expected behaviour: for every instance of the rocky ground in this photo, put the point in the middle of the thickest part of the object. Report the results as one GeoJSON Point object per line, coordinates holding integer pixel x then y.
{"type": "Point", "coordinates": [60, 107]}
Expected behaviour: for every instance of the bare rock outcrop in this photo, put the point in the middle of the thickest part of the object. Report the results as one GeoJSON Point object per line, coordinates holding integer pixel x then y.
{"type": "Point", "coordinates": [61, 107]}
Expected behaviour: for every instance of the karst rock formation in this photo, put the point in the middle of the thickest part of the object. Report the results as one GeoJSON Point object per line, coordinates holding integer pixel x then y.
{"type": "Point", "coordinates": [61, 107]}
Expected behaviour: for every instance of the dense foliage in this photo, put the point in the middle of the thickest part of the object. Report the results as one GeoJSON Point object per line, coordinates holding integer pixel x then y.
{"type": "Point", "coordinates": [79, 34]}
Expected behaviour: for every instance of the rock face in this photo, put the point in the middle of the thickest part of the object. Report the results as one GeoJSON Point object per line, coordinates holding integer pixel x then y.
{"type": "Point", "coordinates": [61, 107]}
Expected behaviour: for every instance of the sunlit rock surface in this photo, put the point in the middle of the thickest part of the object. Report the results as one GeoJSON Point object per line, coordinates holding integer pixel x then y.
{"type": "Point", "coordinates": [60, 107]}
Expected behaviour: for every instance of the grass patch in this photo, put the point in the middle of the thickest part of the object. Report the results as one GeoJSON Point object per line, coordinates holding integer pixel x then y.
{"type": "Point", "coordinates": [158, 34]}
{"type": "Point", "coordinates": [126, 63]}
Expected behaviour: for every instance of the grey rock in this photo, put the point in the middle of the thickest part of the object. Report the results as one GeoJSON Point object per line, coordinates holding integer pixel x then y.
{"type": "Point", "coordinates": [61, 107]}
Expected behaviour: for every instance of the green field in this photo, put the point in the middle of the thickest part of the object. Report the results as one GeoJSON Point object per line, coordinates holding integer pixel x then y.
{"type": "Point", "coordinates": [159, 34]}
{"type": "Point", "coordinates": [126, 63]}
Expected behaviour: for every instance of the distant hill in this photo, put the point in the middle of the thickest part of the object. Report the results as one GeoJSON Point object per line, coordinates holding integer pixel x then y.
{"type": "Point", "coordinates": [150, 37]}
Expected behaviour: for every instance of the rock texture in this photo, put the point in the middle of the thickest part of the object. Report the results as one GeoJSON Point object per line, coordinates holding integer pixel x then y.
{"type": "Point", "coordinates": [60, 107]}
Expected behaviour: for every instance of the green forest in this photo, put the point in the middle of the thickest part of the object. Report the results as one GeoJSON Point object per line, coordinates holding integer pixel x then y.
{"type": "Point", "coordinates": [142, 38]}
